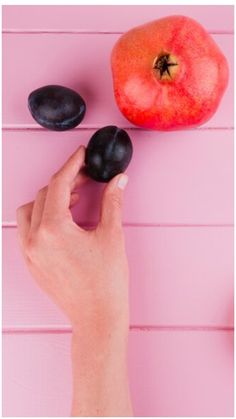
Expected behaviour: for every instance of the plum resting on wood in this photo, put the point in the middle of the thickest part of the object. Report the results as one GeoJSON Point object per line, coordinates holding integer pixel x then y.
{"type": "Point", "coordinates": [108, 153]}
{"type": "Point", "coordinates": [56, 107]}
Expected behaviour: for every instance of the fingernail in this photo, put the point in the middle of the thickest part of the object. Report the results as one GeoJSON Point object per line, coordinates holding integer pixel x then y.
{"type": "Point", "coordinates": [122, 181]}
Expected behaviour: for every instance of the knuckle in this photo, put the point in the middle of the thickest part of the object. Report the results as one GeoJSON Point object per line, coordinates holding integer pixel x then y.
{"type": "Point", "coordinates": [47, 229]}
{"type": "Point", "coordinates": [116, 200]}
{"type": "Point", "coordinates": [56, 177]}
{"type": "Point", "coordinates": [42, 191]}
{"type": "Point", "coordinates": [37, 241]}
{"type": "Point", "coordinates": [50, 229]}
{"type": "Point", "coordinates": [31, 246]}
{"type": "Point", "coordinates": [21, 211]}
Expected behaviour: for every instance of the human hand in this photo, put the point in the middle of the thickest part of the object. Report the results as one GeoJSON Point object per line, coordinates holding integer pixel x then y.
{"type": "Point", "coordinates": [85, 272]}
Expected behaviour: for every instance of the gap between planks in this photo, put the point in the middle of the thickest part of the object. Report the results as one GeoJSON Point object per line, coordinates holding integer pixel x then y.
{"type": "Point", "coordinates": [87, 32]}
{"type": "Point", "coordinates": [13, 224]}
{"type": "Point", "coordinates": [28, 127]}
{"type": "Point", "coordinates": [140, 328]}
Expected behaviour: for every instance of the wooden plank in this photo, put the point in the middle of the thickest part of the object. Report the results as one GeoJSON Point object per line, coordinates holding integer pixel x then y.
{"type": "Point", "coordinates": [81, 62]}
{"type": "Point", "coordinates": [179, 177]}
{"type": "Point", "coordinates": [181, 278]}
{"type": "Point", "coordinates": [171, 374]}
{"type": "Point", "coordinates": [178, 277]}
{"type": "Point", "coordinates": [109, 18]}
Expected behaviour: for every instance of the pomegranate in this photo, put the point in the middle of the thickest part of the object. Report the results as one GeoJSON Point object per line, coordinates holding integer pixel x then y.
{"type": "Point", "coordinates": [168, 74]}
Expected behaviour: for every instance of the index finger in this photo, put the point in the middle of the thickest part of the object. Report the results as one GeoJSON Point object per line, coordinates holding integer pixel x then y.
{"type": "Point", "coordinates": [57, 202]}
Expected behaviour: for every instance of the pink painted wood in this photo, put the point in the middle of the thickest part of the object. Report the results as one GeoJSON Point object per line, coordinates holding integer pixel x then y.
{"type": "Point", "coordinates": [171, 374]}
{"type": "Point", "coordinates": [180, 276]}
{"type": "Point", "coordinates": [183, 276]}
{"type": "Point", "coordinates": [183, 177]}
{"type": "Point", "coordinates": [109, 18]}
{"type": "Point", "coordinates": [82, 62]}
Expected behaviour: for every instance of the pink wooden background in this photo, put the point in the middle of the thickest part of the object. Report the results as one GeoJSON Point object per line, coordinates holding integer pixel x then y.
{"type": "Point", "coordinates": [178, 220]}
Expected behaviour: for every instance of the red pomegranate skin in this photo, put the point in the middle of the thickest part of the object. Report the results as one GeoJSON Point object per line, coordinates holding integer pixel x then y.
{"type": "Point", "coordinates": [168, 74]}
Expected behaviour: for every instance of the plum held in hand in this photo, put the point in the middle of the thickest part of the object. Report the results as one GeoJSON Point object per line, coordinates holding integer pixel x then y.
{"type": "Point", "coordinates": [168, 74]}
{"type": "Point", "coordinates": [108, 153]}
{"type": "Point", "coordinates": [56, 107]}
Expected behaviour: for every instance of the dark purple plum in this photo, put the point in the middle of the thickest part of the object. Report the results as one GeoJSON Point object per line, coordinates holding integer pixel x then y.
{"type": "Point", "coordinates": [56, 107]}
{"type": "Point", "coordinates": [108, 153]}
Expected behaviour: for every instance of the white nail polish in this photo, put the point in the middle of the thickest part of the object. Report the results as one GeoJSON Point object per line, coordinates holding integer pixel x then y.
{"type": "Point", "coordinates": [122, 181]}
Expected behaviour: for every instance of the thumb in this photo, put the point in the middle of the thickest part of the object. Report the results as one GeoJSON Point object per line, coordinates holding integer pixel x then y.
{"type": "Point", "coordinates": [112, 202]}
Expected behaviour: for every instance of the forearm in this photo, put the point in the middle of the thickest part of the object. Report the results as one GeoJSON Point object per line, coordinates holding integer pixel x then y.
{"type": "Point", "coordinates": [100, 377]}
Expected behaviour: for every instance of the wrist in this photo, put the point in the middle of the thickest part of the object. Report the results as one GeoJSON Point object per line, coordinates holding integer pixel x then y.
{"type": "Point", "coordinates": [101, 327]}
{"type": "Point", "coordinates": [99, 339]}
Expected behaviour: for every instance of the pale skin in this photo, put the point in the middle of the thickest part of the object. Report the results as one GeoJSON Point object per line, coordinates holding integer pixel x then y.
{"type": "Point", "coordinates": [85, 272]}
